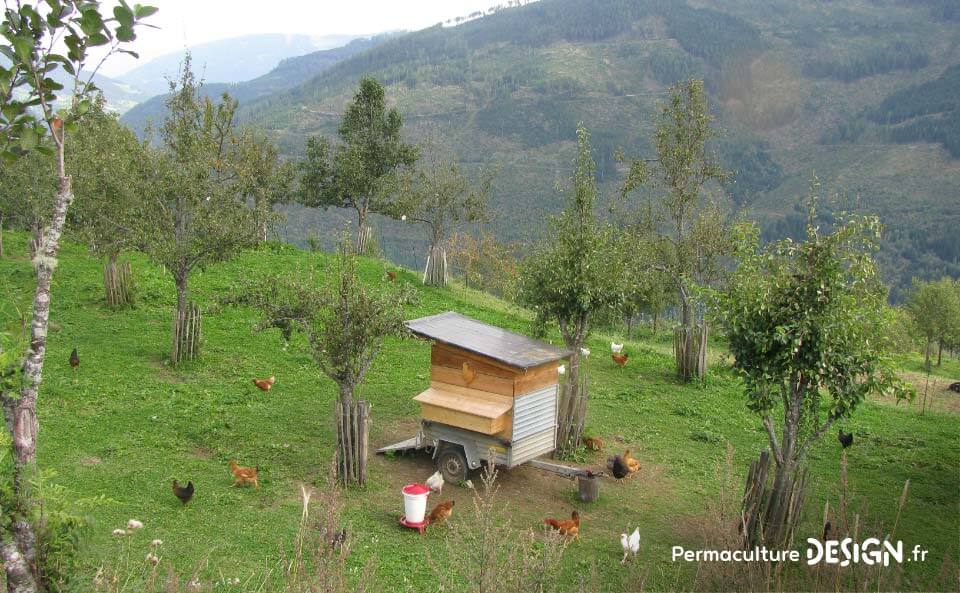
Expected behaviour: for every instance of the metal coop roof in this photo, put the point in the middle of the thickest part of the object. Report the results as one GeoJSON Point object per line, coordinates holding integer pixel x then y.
{"type": "Point", "coordinates": [486, 340]}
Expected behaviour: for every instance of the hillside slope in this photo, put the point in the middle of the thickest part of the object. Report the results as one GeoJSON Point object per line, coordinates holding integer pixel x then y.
{"type": "Point", "coordinates": [121, 427]}
{"type": "Point", "coordinates": [799, 87]}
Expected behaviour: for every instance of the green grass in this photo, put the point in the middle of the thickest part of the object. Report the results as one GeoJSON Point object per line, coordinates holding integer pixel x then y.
{"type": "Point", "coordinates": [126, 423]}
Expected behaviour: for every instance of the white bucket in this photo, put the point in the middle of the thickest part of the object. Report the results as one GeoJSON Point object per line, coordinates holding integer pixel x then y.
{"type": "Point", "coordinates": [415, 502]}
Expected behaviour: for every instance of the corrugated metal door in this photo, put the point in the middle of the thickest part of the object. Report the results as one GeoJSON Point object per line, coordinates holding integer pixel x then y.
{"type": "Point", "coordinates": [534, 425]}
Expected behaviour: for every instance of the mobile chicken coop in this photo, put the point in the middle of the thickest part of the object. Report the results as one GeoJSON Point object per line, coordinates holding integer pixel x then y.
{"type": "Point", "coordinates": [490, 390]}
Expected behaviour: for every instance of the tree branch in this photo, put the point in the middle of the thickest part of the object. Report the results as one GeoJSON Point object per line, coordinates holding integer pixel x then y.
{"type": "Point", "coordinates": [772, 435]}
{"type": "Point", "coordinates": [812, 438]}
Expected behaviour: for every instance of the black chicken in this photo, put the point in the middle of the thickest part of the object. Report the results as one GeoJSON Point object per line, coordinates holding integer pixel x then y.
{"type": "Point", "coordinates": [74, 359]}
{"type": "Point", "coordinates": [184, 493]}
{"type": "Point", "coordinates": [955, 387]}
{"type": "Point", "coordinates": [826, 531]}
{"type": "Point", "coordinates": [619, 468]}
{"type": "Point", "coordinates": [846, 439]}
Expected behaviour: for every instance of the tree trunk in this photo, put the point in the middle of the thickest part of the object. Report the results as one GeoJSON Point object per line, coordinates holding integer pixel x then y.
{"type": "Point", "coordinates": [770, 514]}
{"type": "Point", "coordinates": [690, 343]}
{"type": "Point", "coordinates": [19, 555]}
{"type": "Point", "coordinates": [656, 316]}
{"type": "Point", "coordinates": [572, 410]}
{"type": "Point", "coordinates": [186, 326]}
{"type": "Point", "coordinates": [1, 235]}
{"type": "Point", "coordinates": [939, 351]}
{"type": "Point", "coordinates": [926, 354]}
{"type": "Point", "coordinates": [353, 428]}
{"type": "Point", "coordinates": [362, 231]}
{"type": "Point", "coordinates": [629, 326]}
{"type": "Point", "coordinates": [690, 351]}
{"type": "Point", "coordinates": [435, 272]}
{"type": "Point", "coordinates": [117, 283]}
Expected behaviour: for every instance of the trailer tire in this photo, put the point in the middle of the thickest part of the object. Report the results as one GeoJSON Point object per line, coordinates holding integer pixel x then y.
{"type": "Point", "coordinates": [452, 463]}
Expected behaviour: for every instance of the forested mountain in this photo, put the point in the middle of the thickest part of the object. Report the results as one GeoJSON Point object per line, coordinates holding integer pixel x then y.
{"type": "Point", "coordinates": [861, 92]}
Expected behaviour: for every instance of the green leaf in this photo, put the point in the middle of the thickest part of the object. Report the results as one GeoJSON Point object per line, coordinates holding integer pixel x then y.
{"type": "Point", "coordinates": [143, 12]}
{"type": "Point", "coordinates": [98, 39]}
{"type": "Point", "coordinates": [123, 15]}
{"type": "Point", "coordinates": [24, 48]}
{"type": "Point", "coordinates": [125, 34]}
{"type": "Point", "coordinates": [83, 106]}
{"type": "Point", "coordinates": [29, 139]}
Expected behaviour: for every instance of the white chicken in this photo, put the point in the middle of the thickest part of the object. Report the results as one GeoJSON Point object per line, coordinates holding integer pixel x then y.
{"type": "Point", "coordinates": [435, 482]}
{"type": "Point", "coordinates": [615, 348]}
{"type": "Point", "coordinates": [630, 544]}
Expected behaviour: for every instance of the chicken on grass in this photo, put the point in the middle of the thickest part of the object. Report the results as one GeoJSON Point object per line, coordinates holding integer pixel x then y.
{"type": "Point", "coordinates": [441, 512]}
{"type": "Point", "coordinates": [244, 475]}
{"type": "Point", "coordinates": [569, 528]}
{"type": "Point", "coordinates": [184, 493]}
{"type": "Point", "coordinates": [631, 544]}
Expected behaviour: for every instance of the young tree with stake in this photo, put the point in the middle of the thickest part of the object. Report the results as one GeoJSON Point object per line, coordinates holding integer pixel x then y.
{"type": "Point", "coordinates": [805, 326]}
{"type": "Point", "coordinates": [201, 203]}
{"type": "Point", "coordinates": [681, 169]}
{"type": "Point", "coordinates": [352, 173]}
{"type": "Point", "coordinates": [109, 170]}
{"type": "Point", "coordinates": [572, 277]}
{"type": "Point", "coordinates": [440, 197]}
{"type": "Point", "coordinates": [345, 323]}
{"type": "Point", "coordinates": [29, 95]}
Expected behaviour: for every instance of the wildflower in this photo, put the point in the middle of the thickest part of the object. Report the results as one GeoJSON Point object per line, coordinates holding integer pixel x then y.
{"type": "Point", "coordinates": [152, 558]}
{"type": "Point", "coordinates": [134, 524]}
{"type": "Point", "coordinates": [119, 532]}
{"type": "Point", "coordinates": [156, 542]}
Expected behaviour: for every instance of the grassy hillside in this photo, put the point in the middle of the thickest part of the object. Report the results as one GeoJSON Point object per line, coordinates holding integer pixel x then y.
{"type": "Point", "coordinates": [799, 87]}
{"type": "Point", "coordinates": [126, 423]}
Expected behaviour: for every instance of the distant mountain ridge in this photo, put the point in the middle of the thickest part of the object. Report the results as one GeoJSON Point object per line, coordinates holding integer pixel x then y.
{"type": "Point", "coordinates": [288, 73]}
{"type": "Point", "coordinates": [228, 60]}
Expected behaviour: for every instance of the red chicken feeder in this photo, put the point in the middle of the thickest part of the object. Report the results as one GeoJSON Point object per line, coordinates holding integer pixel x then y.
{"type": "Point", "coordinates": [414, 503]}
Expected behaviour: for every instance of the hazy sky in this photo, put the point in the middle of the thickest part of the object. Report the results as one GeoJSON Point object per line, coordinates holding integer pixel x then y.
{"type": "Point", "coordinates": [184, 23]}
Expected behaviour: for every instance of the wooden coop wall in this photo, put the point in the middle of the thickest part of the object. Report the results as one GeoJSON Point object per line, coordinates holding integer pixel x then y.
{"type": "Point", "coordinates": [446, 366]}
{"type": "Point", "coordinates": [478, 396]}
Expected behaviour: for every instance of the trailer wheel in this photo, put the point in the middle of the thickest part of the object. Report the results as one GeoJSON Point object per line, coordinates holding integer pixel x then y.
{"type": "Point", "coordinates": [452, 463]}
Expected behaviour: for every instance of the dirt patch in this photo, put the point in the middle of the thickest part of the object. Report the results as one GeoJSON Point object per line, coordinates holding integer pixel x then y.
{"type": "Point", "coordinates": [90, 461]}
{"type": "Point", "coordinates": [163, 370]}
{"type": "Point", "coordinates": [938, 395]}
{"type": "Point", "coordinates": [202, 453]}
{"type": "Point", "coordinates": [530, 494]}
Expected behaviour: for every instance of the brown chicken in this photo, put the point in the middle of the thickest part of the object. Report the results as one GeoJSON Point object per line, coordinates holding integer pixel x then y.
{"type": "Point", "coordinates": [441, 512]}
{"type": "Point", "coordinates": [74, 359]}
{"type": "Point", "coordinates": [593, 443]}
{"type": "Point", "coordinates": [632, 464]}
{"type": "Point", "coordinates": [184, 493]}
{"type": "Point", "coordinates": [620, 359]}
{"type": "Point", "coordinates": [265, 384]}
{"type": "Point", "coordinates": [244, 475]}
{"type": "Point", "coordinates": [569, 528]}
{"type": "Point", "coordinates": [392, 276]}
